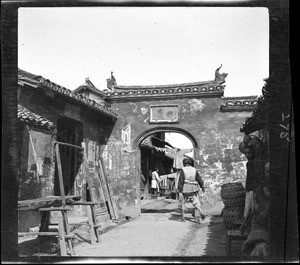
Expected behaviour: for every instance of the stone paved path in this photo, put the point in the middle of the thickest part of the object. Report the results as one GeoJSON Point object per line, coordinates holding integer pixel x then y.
{"type": "Point", "coordinates": [160, 234]}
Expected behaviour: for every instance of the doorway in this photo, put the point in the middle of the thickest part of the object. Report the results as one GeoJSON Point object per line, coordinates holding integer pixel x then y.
{"type": "Point", "coordinates": [68, 131]}
{"type": "Point", "coordinates": [159, 150]}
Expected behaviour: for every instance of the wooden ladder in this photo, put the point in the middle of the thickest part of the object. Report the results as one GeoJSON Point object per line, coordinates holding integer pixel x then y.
{"type": "Point", "coordinates": [63, 201]}
{"type": "Point", "coordinates": [64, 230]}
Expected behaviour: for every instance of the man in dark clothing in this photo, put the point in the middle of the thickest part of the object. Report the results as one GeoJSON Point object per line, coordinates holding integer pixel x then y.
{"type": "Point", "coordinates": [189, 184]}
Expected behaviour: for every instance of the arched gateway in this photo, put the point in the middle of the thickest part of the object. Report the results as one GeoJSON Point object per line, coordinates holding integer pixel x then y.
{"type": "Point", "coordinates": [166, 129]}
{"type": "Point", "coordinates": [198, 110]}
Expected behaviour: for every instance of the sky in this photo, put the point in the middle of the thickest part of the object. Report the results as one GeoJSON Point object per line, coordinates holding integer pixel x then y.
{"type": "Point", "coordinates": [146, 45]}
{"type": "Point", "coordinates": [179, 140]}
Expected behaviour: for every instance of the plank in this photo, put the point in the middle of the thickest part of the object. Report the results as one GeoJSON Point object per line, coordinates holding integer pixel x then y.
{"type": "Point", "coordinates": [60, 176]}
{"type": "Point", "coordinates": [36, 204]}
{"type": "Point", "coordinates": [111, 202]}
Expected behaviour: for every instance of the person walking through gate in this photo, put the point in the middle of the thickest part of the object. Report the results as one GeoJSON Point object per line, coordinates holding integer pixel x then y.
{"type": "Point", "coordinates": [189, 184]}
{"type": "Point", "coordinates": [155, 182]}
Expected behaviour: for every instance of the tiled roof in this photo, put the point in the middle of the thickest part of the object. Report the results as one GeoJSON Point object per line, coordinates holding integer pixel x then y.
{"type": "Point", "coordinates": [31, 118]}
{"type": "Point", "coordinates": [212, 88]}
{"type": "Point", "coordinates": [239, 103]}
{"type": "Point", "coordinates": [38, 81]}
{"type": "Point", "coordinates": [89, 86]}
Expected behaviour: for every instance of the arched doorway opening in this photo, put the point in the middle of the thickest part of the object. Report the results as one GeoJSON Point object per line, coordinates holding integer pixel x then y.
{"type": "Point", "coordinates": [163, 149]}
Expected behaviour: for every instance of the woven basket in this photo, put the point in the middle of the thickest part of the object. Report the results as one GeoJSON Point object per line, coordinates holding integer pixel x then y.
{"type": "Point", "coordinates": [234, 202]}
{"type": "Point", "coordinates": [232, 190]}
{"type": "Point", "coordinates": [231, 214]}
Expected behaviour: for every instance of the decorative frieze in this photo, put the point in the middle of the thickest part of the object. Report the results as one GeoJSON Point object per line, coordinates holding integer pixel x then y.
{"type": "Point", "coordinates": [145, 92]}
{"type": "Point", "coordinates": [239, 104]}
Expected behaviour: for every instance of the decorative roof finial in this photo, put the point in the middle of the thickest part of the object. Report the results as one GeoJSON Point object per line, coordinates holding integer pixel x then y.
{"type": "Point", "coordinates": [111, 82]}
{"type": "Point", "coordinates": [220, 78]}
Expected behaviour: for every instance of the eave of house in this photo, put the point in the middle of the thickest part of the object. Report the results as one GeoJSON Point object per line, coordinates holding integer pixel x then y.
{"type": "Point", "coordinates": [26, 78]}
{"type": "Point", "coordinates": [30, 118]}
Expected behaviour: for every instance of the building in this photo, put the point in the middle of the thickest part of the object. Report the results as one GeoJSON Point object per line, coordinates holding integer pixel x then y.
{"type": "Point", "coordinates": [50, 113]}
{"type": "Point", "coordinates": [197, 110]}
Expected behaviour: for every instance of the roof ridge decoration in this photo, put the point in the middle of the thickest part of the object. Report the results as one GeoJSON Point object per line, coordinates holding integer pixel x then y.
{"type": "Point", "coordinates": [111, 82]}
{"type": "Point", "coordinates": [27, 116]}
{"type": "Point", "coordinates": [39, 81]}
{"type": "Point", "coordinates": [220, 78]}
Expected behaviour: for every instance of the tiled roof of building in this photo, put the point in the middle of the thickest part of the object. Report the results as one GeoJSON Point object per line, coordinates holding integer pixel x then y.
{"type": "Point", "coordinates": [186, 89]}
{"type": "Point", "coordinates": [196, 89]}
{"type": "Point", "coordinates": [31, 118]}
{"type": "Point", "coordinates": [39, 81]}
{"type": "Point", "coordinates": [247, 103]}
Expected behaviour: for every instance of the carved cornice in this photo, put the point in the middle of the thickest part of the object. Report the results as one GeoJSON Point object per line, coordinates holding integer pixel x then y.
{"type": "Point", "coordinates": [233, 104]}
{"type": "Point", "coordinates": [169, 91]}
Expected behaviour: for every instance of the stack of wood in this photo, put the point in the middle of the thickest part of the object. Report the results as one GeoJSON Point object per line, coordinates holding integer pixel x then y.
{"type": "Point", "coordinates": [233, 196]}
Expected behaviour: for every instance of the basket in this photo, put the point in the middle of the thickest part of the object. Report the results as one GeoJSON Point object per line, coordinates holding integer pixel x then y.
{"type": "Point", "coordinates": [232, 190]}
{"type": "Point", "coordinates": [231, 214]}
{"type": "Point", "coordinates": [234, 202]}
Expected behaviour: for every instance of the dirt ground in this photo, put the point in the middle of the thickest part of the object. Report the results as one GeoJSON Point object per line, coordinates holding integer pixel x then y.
{"type": "Point", "coordinates": [156, 234]}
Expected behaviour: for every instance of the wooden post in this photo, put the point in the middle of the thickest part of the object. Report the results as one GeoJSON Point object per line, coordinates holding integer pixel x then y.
{"type": "Point", "coordinates": [95, 227]}
{"type": "Point", "coordinates": [110, 199]}
{"type": "Point", "coordinates": [60, 176]}
{"type": "Point", "coordinates": [91, 225]}
{"type": "Point", "coordinates": [91, 209]}
{"type": "Point", "coordinates": [63, 225]}
{"type": "Point", "coordinates": [62, 240]}
{"type": "Point", "coordinates": [67, 230]}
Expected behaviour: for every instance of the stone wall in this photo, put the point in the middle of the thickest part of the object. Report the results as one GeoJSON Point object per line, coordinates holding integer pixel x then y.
{"type": "Point", "coordinates": [216, 135]}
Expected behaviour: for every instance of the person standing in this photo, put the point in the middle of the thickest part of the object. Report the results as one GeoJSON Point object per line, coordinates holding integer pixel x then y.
{"type": "Point", "coordinates": [178, 155]}
{"type": "Point", "coordinates": [189, 184]}
{"type": "Point", "coordinates": [155, 182]}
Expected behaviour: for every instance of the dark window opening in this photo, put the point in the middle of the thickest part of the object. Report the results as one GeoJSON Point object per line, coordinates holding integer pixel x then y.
{"type": "Point", "coordinates": [68, 131]}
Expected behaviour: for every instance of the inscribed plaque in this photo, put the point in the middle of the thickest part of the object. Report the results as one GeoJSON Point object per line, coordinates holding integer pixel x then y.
{"type": "Point", "coordinates": [162, 114]}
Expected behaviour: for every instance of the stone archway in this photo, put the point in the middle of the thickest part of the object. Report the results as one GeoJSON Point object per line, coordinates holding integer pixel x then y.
{"type": "Point", "coordinates": [166, 129]}
{"type": "Point", "coordinates": [145, 163]}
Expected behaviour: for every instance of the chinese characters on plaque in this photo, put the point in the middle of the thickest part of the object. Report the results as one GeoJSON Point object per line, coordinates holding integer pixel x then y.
{"type": "Point", "coordinates": [163, 114]}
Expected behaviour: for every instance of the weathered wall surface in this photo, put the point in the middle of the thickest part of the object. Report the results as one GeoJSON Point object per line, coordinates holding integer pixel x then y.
{"type": "Point", "coordinates": [36, 175]}
{"type": "Point", "coordinates": [216, 133]}
{"type": "Point", "coordinates": [123, 169]}
{"type": "Point", "coordinates": [37, 152]}
{"type": "Point", "coordinates": [37, 164]}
